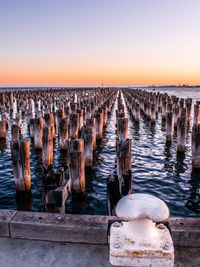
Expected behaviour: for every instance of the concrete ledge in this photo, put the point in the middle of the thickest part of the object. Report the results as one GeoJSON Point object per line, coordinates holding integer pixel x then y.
{"type": "Point", "coordinates": [5, 218]}
{"type": "Point", "coordinates": [60, 227]}
{"type": "Point", "coordinates": [185, 231]}
{"type": "Point", "coordinates": [90, 229]}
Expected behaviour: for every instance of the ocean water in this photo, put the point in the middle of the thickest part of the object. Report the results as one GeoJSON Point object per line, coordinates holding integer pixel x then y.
{"type": "Point", "coordinates": [156, 169]}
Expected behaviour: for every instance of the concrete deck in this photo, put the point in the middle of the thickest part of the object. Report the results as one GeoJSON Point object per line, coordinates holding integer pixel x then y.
{"type": "Point", "coordinates": [30, 253]}
{"type": "Point", "coordinates": [42, 239]}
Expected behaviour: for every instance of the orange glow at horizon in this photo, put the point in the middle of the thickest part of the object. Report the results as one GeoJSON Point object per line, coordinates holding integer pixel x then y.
{"type": "Point", "coordinates": [89, 76]}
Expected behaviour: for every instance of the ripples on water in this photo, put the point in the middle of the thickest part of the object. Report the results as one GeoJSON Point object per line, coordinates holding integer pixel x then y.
{"type": "Point", "coordinates": [155, 169]}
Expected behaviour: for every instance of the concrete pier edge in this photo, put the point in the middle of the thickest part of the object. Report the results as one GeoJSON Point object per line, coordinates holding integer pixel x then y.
{"type": "Point", "coordinates": [86, 229]}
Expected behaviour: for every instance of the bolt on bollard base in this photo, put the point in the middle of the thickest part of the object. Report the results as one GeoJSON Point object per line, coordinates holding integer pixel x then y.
{"type": "Point", "coordinates": [127, 251]}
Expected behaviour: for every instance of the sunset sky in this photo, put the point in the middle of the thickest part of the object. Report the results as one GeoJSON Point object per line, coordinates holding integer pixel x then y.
{"type": "Point", "coordinates": [90, 42]}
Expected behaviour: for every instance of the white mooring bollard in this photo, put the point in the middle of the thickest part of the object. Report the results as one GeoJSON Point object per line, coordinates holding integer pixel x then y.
{"type": "Point", "coordinates": [138, 241]}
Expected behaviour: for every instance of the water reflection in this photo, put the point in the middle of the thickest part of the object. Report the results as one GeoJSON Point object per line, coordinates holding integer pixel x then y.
{"type": "Point", "coordinates": [180, 165]}
{"type": "Point", "coordinates": [152, 128]}
{"type": "Point", "coordinates": [63, 159]}
{"type": "Point", "coordinates": [193, 202]}
{"type": "Point", "coordinates": [3, 145]}
{"type": "Point", "coordinates": [167, 151]}
{"type": "Point", "coordinates": [163, 125]}
{"type": "Point", "coordinates": [24, 200]}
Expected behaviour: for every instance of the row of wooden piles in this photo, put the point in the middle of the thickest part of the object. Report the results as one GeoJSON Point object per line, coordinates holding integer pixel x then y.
{"type": "Point", "coordinates": [77, 116]}
{"type": "Point", "coordinates": [119, 182]}
{"type": "Point", "coordinates": [175, 113]}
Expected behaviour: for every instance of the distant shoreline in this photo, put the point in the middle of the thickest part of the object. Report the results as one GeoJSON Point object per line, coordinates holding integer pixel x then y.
{"type": "Point", "coordinates": [96, 86]}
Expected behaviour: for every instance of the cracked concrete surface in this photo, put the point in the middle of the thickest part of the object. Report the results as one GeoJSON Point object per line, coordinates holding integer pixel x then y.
{"type": "Point", "coordinates": [30, 253]}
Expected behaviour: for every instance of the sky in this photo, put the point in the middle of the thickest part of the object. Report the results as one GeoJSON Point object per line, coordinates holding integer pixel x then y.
{"type": "Point", "coordinates": [90, 42]}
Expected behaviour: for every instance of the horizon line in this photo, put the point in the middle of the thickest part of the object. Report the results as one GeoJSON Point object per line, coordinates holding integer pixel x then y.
{"type": "Point", "coordinates": [103, 85]}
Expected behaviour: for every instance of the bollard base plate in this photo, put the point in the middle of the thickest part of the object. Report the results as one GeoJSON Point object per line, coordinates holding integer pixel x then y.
{"type": "Point", "coordinates": [126, 252]}
{"type": "Point", "coordinates": [138, 262]}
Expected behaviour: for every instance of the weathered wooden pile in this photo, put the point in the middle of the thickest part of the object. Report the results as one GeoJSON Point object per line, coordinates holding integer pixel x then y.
{"type": "Point", "coordinates": [175, 113]}
{"type": "Point", "coordinates": [78, 116]}
{"type": "Point", "coordinates": [119, 182]}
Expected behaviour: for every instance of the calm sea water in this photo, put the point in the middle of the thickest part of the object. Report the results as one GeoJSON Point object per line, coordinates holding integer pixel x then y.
{"type": "Point", "coordinates": [155, 169]}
